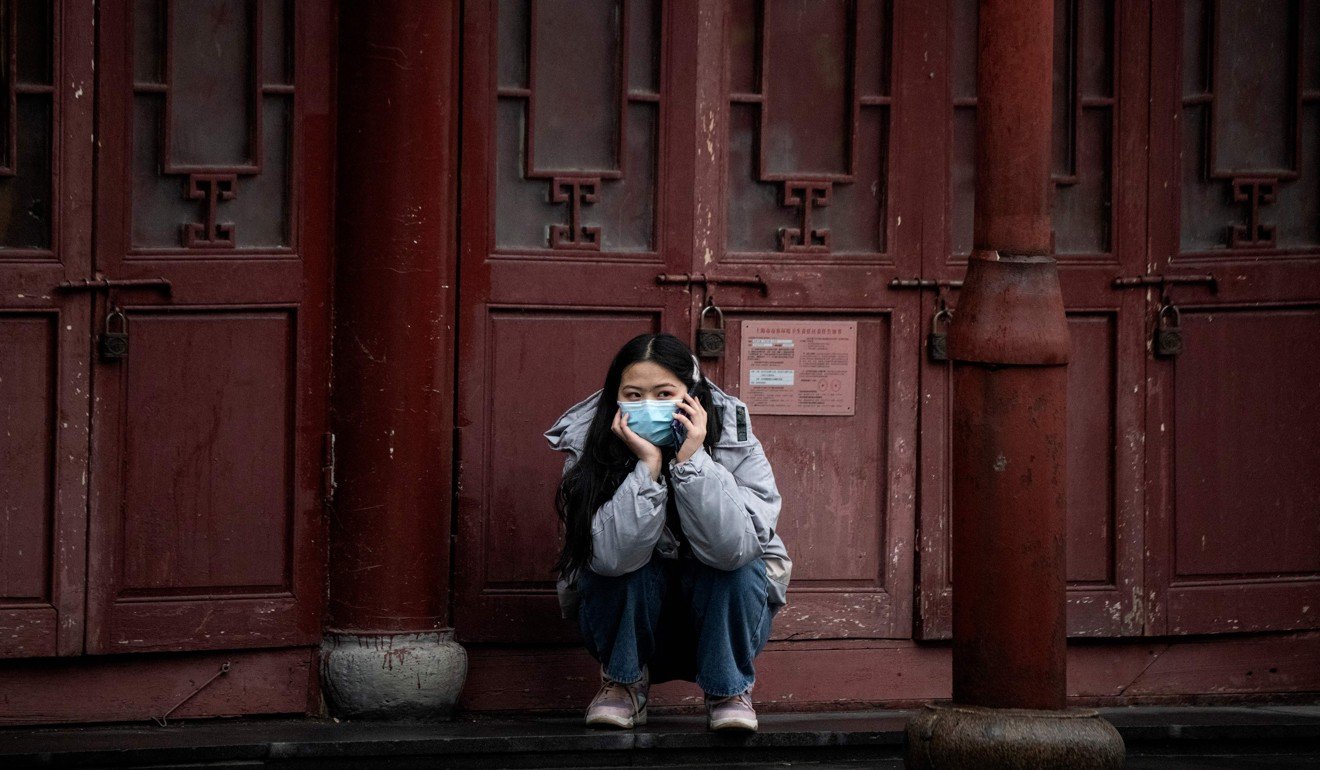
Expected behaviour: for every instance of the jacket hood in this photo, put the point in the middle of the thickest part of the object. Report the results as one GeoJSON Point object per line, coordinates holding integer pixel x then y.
{"type": "Point", "coordinates": [572, 426]}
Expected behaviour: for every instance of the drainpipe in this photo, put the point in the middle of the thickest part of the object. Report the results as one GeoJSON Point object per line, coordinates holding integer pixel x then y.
{"type": "Point", "coordinates": [1009, 346]}
{"type": "Point", "coordinates": [388, 650]}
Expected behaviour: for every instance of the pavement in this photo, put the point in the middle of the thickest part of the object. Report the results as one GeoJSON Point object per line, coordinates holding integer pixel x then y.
{"type": "Point", "coordinates": [1257, 736]}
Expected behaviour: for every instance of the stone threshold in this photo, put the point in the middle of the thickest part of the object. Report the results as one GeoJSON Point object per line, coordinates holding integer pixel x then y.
{"type": "Point", "coordinates": [818, 739]}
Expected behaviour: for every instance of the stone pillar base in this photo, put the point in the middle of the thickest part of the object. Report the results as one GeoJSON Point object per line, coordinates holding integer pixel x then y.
{"type": "Point", "coordinates": [392, 676]}
{"type": "Point", "coordinates": [952, 736]}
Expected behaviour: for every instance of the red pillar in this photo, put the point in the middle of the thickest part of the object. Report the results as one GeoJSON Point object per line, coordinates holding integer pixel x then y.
{"type": "Point", "coordinates": [1009, 344]}
{"type": "Point", "coordinates": [1014, 76]}
{"type": "Point", "coordinates": [394, 352]}
{"type": "Point", "coordinates": [1009, 416]}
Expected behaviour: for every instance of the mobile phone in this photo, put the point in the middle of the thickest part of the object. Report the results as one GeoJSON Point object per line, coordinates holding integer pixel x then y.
{"type": "Point", "coordinates": [680, 432]}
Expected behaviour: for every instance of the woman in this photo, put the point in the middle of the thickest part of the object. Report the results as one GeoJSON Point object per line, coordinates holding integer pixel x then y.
{"type": "Point", "coordinates": [670, 557]}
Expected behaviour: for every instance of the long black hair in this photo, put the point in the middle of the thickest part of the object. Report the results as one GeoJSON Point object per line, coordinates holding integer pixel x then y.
{"type": "Point", "coordinates": [606, 461]}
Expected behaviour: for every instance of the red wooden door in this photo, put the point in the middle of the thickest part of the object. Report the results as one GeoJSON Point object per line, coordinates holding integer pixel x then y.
{"type": "Point", "coordinates": [1193, 502]}
{"type": "Point", "coordinates": [1100, 119]}
{"type": "Point", "coordinates": [577, 157]}
{"type": "Point", "coordinates": [626, 140]}
{"type": "Point", "coordinates": [45, 239]}
{"type": "Point", "coordinates": [1232, 454]}
{"type": "Point", "coordinates": [205, 515]}
{"type": "Point", "coordinates": [818, 162]}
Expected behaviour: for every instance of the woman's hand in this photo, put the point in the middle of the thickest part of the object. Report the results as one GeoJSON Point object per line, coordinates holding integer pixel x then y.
{"type": "Point", "coordinates": [646, 451]}
{"type": "Point", "coordinates": [693, 417]}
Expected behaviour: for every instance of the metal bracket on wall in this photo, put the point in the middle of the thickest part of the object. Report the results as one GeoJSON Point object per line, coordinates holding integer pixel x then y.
{"type": "Point", "coordinates": [1163, 281]}
{"type": "Point", "coordinates": [224, 669]}
{"type": "Point", "coordinates": [102, 283]}
{"type": "Point", "coordinates": [923, 283]}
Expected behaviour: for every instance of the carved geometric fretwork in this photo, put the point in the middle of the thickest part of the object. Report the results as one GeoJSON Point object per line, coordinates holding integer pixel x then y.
{"type": "Point", "coordinates": [213, 83]}
{"type": "Point", "coordinates": [809, 113]}
{"type": "Point", "coordinates": [1246, 101]}
{"type": "Point", "coordinates": [27, 129]}
{"type": "Point", "coordinates": [1253, 192]}
{"type": "Point", "coordinates": [805, 238]}
{"type": "Point", "coordinates": [1083, 127]}
{"type": "Point", "coordinates": [574, 235]}
{"type": "Point", "coordinates": [211, 189]}
{"type": "Point", "coordinates": [577, 108]}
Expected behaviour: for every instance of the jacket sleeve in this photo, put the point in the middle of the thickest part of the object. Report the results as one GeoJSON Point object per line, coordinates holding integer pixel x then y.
{"type": "Point", "coordinates": [729, 509]}
{"type": "Point", "coordinates": [626, 528]}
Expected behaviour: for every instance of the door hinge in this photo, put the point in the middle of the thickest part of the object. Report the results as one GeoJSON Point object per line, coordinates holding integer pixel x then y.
{"type": "Point", "coordinates": [328, 468]}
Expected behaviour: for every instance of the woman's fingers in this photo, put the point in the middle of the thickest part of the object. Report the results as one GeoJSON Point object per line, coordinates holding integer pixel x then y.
{"type": "Point", "coordinates": [622, 430]}
{"type": "Point", "coordinates": [692, 407]}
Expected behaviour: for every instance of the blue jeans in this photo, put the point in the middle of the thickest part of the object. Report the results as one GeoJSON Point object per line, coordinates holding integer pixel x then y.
{"type": "Point", "coordinates": [682, 619]}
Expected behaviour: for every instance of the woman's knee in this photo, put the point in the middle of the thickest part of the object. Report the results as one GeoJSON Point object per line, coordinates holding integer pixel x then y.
{"type": "Point", "coordinates": [641, 580]}
{"type": "Point", "coordinates": [747, 581]}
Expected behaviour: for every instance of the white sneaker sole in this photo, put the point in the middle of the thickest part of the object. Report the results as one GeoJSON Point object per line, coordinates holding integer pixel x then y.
{"type": "Point", "coordinates": [733, 723]}
{"type": "Point", "coordinates": [623, 723]}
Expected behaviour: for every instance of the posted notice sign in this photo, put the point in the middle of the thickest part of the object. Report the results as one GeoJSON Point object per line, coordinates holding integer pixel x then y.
{"type": "Point", "coordinates": [799, 367]}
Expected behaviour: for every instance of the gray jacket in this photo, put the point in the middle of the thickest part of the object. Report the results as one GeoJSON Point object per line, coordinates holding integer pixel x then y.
{"type": "Point", "coordinates": [728, 504]}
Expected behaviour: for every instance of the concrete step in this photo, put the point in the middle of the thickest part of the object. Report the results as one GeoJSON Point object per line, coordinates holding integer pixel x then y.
{"type": "Point", "coordinates": [1164, 737]}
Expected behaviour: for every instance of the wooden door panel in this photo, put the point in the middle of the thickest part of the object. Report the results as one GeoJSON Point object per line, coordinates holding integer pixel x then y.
{"type": "Point", "coordinates": [1102, 557]}
{"type": "Point", "coordinates": [29, 398]}
{"type": "Point", "coordinates": [207, 437]}
{"type": "Point", "coordinates": [841, 514]}
{"type": "Point", "coordinates": [46, 98]}
{"type": "Point", "coordinates": [209, 399]}
{"type": "Point", "coordinates": [1090, 456]}
{"type": "Point", "coordinates": [1235, 507]}
{"type": "Point", "coordinates": [818, 170]}
{"type": "Point", "coordinates": [1104, 522]}
{"type": "Point", "coordinates": [512, 483]}
{"type": "Point", "coordinates": [1246, 495]}
{"type": "Point", "coordinates": [1247, 513]}
{"type": "Point", "coordinates": [572, 204]}
{"type": "Point", "coordinates": [1098, 223]}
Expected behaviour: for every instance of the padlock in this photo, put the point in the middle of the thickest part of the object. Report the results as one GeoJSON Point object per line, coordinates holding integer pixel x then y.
{"type": "Point", "coordinates": [710, 342]}
{"type": "Point", "coordinates": [1168, 334]}
{"type": "Point", "coordinates": [114, 340]}
{"type": "Point", "coordinates": [937, 342]}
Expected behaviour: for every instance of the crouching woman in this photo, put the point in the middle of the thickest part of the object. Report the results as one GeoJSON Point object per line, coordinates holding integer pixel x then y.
{"type": "Point", "coordinates": [670, 558]}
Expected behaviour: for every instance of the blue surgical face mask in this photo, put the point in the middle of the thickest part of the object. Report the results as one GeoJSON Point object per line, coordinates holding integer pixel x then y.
{"type": "Point", "coordinates": [652, 420]}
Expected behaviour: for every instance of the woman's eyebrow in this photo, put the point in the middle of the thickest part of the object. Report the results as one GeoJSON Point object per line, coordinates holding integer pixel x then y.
{"type": "Point", "coordinates": [657, 386]}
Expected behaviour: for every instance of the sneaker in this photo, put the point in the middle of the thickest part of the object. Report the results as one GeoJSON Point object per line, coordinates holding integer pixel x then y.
{"type": "Point", "coordinates": [734, 712]}
{"type": "Point", "coordinates": [618, 704]}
